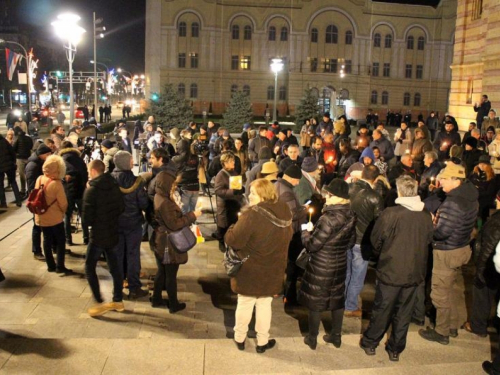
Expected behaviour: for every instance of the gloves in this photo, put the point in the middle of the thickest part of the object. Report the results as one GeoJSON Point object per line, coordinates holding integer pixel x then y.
{"type": "Point", "coordinates": [400, 140]}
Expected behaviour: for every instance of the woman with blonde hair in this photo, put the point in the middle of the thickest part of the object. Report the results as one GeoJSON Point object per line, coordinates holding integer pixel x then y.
{"type": "Point", "coordinates": [52, 221]}
{"type": "Point", "coordinates": [10, 136]}
{"type": "Point", "coordinates": [261, 235]}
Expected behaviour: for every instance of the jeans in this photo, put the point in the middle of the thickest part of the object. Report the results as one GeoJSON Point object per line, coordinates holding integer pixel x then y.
{"type": "Point", "coordinates": [21, 165]}
{"type": "Point", "coordinates": [36, 238]}
{"type": "Point", "coordinates": [69, 214]}
{"type": "Point", "coordinates": [189, 199]}
{"type": "Point", "coordinates": [315, 320]}
{"type": "Point", "coordinates": [113, 259]}
{"type": "Point", "coordinates": [11, 176]}
{"type": "Point", "coordinates": [130, 248]}
{"type": "Point", "coordinates": [392, 305]}
{"type": "Point", "coordinates": [166, 279]}
{"type": "Point", "coordinates": [54, 235]}
{"type": "Point", "coordinates": [355, 277]}
{"type": "Point", "coordinates": [243, 315]}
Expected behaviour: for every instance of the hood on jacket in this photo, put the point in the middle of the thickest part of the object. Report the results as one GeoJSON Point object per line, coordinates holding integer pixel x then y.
{"type": "Point", "coordinates": [466, 191]}
{"type": "Point", "coordinates": [367, 152]}
{"type": "Point", "coordinates": [411, 203]}
{"type": "Point", "coordinates": [277, 213]}
{"type": "Point", "coordinates": [69, 150]}
{"type": "Point", "coordinates": [103, 182]}
{"type": "Point", "coordinates": [164, 185]}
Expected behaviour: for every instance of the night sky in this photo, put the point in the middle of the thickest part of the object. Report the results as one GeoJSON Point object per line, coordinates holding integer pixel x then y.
{"type": "Point", "coordinates": [123, 45]}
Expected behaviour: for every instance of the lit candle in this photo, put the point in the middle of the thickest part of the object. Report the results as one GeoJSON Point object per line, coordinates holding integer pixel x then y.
{"type": "Point", "coordinates": [407, 151]}
{"type": "Point", "coordinates": [239, 214]}
{"type": "Point", "coordinates": [310, 214]}
{"type": "Point", "coordinates": [444, 144]}
{"type": "Point", "coordinates": [432, 180]}
{"type": "Point", "coordinates": [330, 159]}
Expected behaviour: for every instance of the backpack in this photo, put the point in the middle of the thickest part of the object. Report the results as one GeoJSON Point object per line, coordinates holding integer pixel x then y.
{"type": "Point", "coordinates": [37, 204]}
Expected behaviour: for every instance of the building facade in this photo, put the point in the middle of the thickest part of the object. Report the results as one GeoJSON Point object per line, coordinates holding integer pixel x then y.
{"type": "Point", "coordinates": [476, 59]}
{"type": "Point", "coordinates": [358, 54]}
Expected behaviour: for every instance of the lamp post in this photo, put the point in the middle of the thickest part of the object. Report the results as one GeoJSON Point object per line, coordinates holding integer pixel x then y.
{"type": "Point", "coordinates": [96, 36]}
{"type": "Point", "coordinates": [27, 71]}
{"type": "Point", "coordinates": [276, 67]}
{"type": "Point", "coordinates": [67, 29]}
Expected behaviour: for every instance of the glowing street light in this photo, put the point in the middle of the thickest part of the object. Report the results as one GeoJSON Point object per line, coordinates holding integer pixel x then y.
{"type": "Point", "coordinates": [67, 29]}
{"type": "Point", "coordinates": [276, 67]}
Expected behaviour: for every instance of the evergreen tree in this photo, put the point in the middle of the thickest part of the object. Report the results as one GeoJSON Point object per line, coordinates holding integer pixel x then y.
{"type": "Point", "coordinates": [238, 112]}
{"type": "Point", "coordinates": [307, 108]}
{"type": "Point", "coordinates": [170, 109]}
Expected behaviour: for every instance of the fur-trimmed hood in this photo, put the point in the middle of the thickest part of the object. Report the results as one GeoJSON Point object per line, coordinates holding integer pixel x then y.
{"type": "Point", "coordinates": [54, 167]}
{"type": "Point", "coordinates": [69, 150]}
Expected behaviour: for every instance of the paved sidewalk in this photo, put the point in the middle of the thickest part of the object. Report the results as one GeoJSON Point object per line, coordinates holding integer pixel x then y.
{"type": "Point", "coordinates": [45, 328]}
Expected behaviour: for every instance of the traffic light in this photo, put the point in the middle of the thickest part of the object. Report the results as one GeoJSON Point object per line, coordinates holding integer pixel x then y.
{"type": "Point", "coordinates": [59, 74]}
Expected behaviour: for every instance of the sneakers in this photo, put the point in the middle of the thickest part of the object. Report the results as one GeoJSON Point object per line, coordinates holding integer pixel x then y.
{"type": "Point", "coordinates": [431, 335]}
{"type": "Point", "coordinates": [262, 349]}
{"type": "Point", "coordinates": [64, 270]}
{"type": "Point", "coordinates": [138, 293]}
{"type": "Point", "coordinates": [103, 308]}
{"type": "Point", "coordinates": [311, 342]}
{"type": "Point", "coordinates": [335, 339]}
{"type": "Point", "coordinates": [353, 314]}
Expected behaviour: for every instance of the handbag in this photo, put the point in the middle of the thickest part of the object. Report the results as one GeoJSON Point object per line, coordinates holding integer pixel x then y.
{"type": "Point", "coordinates": [303, 259]}
{"type": "Point", "coordinates": [232, 262]}
{"type": "Point", "coordinates": [182, 240]}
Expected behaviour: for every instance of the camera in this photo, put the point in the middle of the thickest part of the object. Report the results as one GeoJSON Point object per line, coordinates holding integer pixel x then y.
{"type": "Point", "coordinates": [201, 145]}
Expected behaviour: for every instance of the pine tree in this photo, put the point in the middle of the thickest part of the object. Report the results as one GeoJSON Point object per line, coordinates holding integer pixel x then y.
{"type": "Point", "coordinates": [170, 109]}
{"type": "Point", "coordinates": [307, 108]}
{"type": "Point", "coordinates": [238, 112]}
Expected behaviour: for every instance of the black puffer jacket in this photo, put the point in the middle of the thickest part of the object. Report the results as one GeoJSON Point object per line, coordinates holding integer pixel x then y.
{"type": "Point", "coordinates": [456, 217]}
{"type": "Point", "coordinates": [135, 197]}
{"type": "Point", "coordinates": [346, 161]}
{"type": "Point", "coordinates": [487, 241]}
{"type": "Point", "coordinates": [7, 156]}
{"type": "Point", "coordinates": [102, 206]}
{"type": "Point", "coordinates": [323, 282]}
{"type": "Point", "coordinates": [22, 146]}
{"type": "Point", "coordinates": [367, 204]}
{"type": "Point", "coordinates": [33, 170]}
{"type": "Point", "coordinates": [76, 169]}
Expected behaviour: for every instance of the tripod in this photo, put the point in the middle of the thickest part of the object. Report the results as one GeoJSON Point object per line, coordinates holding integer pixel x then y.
{"type": "Point", "coordinates": [201, 163]}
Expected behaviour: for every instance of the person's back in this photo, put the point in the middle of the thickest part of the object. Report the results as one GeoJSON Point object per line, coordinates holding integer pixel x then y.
{"type": "Point", "coordinates": [366, 203]}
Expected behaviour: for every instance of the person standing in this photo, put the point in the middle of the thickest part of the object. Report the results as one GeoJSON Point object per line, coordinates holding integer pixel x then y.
{"type": "Point", "coordinates": [102, 206]}
{"type": "Point", "coordinates": [323, 282]}
{"type": "Point", "coordinates": [101, 114]}
{"type": "Point", "coordinates": [61, 117]}
{"type": "Point", "coordinates": [453, 223]}
{"type": "Point", "coordinates": [432, 124]}
{"type": "Point", "coordinates": [256, 144]}
{"type": "Point", "coordinates": [482, 110]}
{"type": "Point", "coordinates": [400, 268]}
{"type": "Point", "coordinates": [85, 112]}
{"type": "Point", "coordinates": [8, 167]}
{"type": "Point", "coordinates": [22, 147]}
{"type": "Point", "coordinates": [254, 236]}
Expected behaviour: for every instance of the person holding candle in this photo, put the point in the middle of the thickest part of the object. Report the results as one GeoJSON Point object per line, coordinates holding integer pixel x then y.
{"type": "Point", "coordinates": [428, 177]}
{"type": "Point", "coordinates": [445, 140]}
{"type": "Point", "coordinates": [323, 283]}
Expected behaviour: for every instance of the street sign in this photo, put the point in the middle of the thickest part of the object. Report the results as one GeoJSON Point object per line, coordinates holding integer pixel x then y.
{"type": "Point", "coordinates": [78, 77]}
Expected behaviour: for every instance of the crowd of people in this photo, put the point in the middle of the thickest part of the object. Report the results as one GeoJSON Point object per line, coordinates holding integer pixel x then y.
{"type": "Point", "coordinates": [418, 204]}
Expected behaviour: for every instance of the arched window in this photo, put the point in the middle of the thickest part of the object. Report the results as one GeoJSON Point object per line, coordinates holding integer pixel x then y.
{"type": "Point", "coordinates": [332, 34]}
{"type": "Point", "coordinates": [235, 32]}
{"type": "Point", "coordinates": [314, 35]}
{"type": "Point", "coordinates": [374, 97]}
{"type": "Point", "coordinates": [234, 88]}
{"type": "Point", "coordinates": [181, 90]}
{"type": "Point", "coordinates": [247, 32]}
{"type": "Point", "coordinates": [409, 42]}
{"type": "Point", "coordinates": [193, 92]}
{"type": "Point", "coordinates": [385, 98]}
{"type": "Point", "coordinates": [246, 90]}
{"type": "Point", "coordinates": [388, 41]}
{"type": "Point", "coordinates": [421, 43]}
{"type": "Point", "coordinates": [272, 33]}
{"type": "Point", "coordinates": [195, 30]}
{"type": "Point", "coordinates": [282, 93]}
{"type": "Point", "coordinates": [348, 37]}
{"type": "Point", "coordinates": [406, 99]}
{"type": "Point", "coordinates": [284, 34]}
{"type": "Point", "coordinates": [270, 92]}
{"type": "Point", "coordinates": [416, 100]}
{"type": "Point", "coordinates": [376, 40]}
{"type": "Point", "coordinates": [182, 29]}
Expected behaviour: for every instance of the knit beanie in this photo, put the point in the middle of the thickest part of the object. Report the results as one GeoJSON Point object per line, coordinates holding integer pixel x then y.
{"type": "Point", "coordinates": [293, 171]}
{"type": "Point", "coordinates": [122, 160]}
{"type": "Point", "coordinates": [43, 149]}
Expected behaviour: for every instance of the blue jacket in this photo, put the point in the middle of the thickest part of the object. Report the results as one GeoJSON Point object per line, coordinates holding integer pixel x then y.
{"type": "Point", "coordinates": [135, 198]}
{"type": "Point", "coordinates": [385, 147]}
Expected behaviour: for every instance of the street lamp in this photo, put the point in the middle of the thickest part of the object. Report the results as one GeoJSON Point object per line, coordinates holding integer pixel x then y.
{"type": "Point", "coordinates": [27, 71]}
{"type": "Point", "coordinates": [100, 35]}
{"type": "Point", "coordinates": [276, 67]}
{"type": "Point", "coordinates": [67, 29]}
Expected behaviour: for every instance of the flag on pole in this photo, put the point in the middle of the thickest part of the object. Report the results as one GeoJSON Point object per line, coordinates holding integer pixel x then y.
{"type": "Point", "coordinates": [12, 59]}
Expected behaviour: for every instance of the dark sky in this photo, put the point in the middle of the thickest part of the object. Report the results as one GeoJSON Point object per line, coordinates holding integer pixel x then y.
{"type": "Point", "coordinates": [123, 45]}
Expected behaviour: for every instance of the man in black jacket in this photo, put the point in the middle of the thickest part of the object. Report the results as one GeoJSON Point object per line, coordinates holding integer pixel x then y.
{"type": "Point", "coordinates": [102, 206]}
{"type": "Point", "coordinates": [367, 204]}
{"type": "Point", "coordinates": [453, 224]}
{"type": "Point", "coordinates": [8, 167]}
{"type": "Point", "coordinates": [445, 140]}
{"type": "Point", "coordinates": [256, 144]}
{"type": "Point", "coordinates": [482, 110]}
{"type": "Point", "coordinates": [125, 145]}
{"type": "Point", "coordinates": [22, 148]}
{"type": "Point", "coordinates": [400, 269]}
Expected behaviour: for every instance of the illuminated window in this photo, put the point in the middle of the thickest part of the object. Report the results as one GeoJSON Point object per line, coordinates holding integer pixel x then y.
{"type": "Point", "coordinates": [245, 63]}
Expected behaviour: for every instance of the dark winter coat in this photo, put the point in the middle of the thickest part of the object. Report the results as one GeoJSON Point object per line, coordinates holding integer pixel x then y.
{"type": "Point", "coordinates": [183, 152]}
{"type": "Point", "coordinates": [102, 206]}
{"type": "Point", "coordinates": [425, 179]}
{"type": "Point", "coordinates": [323, 283]}
{"type": "Point", "coordinates": [451, 138]}
{"type": "Point", "coordinates": [189, 175]}
{"type": "Point", "coordinates": [262, 232]}
{"type": "Point", "coordinates": [33, 170]}
{"type": "Point", "coordinates": [255, 145]}
{"type": "Point", "coordinates": [346, 161]}
{"type": "Point", "coordinates": [432, 123]}
{"type": "Point", "coordinates": [385, 146]}
{"type": "Point", "coordinates": [23, 146]}
{"type": "Point", "coordinates": [215, 166]}
{"type": "Point", "coordinates": [400, 170]}
{"type": "Point", "coordinates": [229, 201]}
{"type": "Point", "coordinates": [286, 194]}
{"type": "Point", "coordinates": [401, 238]}
{"type": "Point", "coordinates": [420, 147]}
{"type": "Point", "coordinates": [456, 217]}
{"type": "Point", "coordinates": [76, 169]}
{"type": "Point", "coordinates": [486, 243]}
{"type": "Point", "coordinates": [7, 156]}
{"type": "Point", "coordinates": [135, 198]}
{"type": "Point", "coordinates": [170, 218]}
{"type": "Point", "coordinates": [470, 159]}
{"type": "Point", "coordinates": [138, 130]}
{"type": "Point", "coordinates": [286, 162]}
